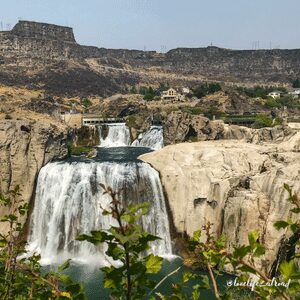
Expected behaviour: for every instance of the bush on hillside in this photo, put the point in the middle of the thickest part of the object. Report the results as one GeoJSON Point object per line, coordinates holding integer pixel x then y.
{"type": "Point", "coordinates": [206, 89]}
{"type": "Point", "coordinates": [259, 91]}
{"type": "Point", "coordinates": [296, 83]}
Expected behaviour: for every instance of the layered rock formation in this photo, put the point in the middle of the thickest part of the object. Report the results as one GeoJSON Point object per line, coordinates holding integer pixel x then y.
{"type": "Point", "coordinates": [24, 148]}
{"type": "Point", "coordinates": [48, 55]}
{"type": "Point", "coordinates": [235, 185]}
{"type": "Point", "coordinates": [181, 126]}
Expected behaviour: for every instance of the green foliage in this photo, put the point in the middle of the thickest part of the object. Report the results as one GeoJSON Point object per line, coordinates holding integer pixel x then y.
{"type": "Point", "coordinates": [296, 83]}
{"type": "Point", "coordinates": [193, 110]}
{"type": "Point", "coordinates": [21, 276]}
{"type": "Point", "coordinates": [86, 102]}
{"type": "Point", "coordinates": [213, 111]}
{"type": "Point", "coordinates": [78, 150]}
{"type": "Point", "coordinates": [150, 93]}
{"type": "Point", "coordinates": [273, 103]}
{"type": "Point", "coordinates": [209, 113]}
{"type": "Point", "coordinates": [207, 251]}
{"type": "Point", "coordinates": [259, 91]}
{"type": "Point", "coordinates": [131, 121]}
{"type": "Point", "coordinates": [286, 100]}
{"type": "Point", "coordinates": [263, 121]}
{"type": "Point", "coordinates": [206, 89]}
{"type": "Point", "coordinates": [277, 121]}
{"type": "Point", "coordinates": [126, 243]}
{"type": "Point", "coordinates": [162, 88]}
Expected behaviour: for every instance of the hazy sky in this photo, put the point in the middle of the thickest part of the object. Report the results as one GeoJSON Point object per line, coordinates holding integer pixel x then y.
{"type": "Point", "coordinates": [166, 24]}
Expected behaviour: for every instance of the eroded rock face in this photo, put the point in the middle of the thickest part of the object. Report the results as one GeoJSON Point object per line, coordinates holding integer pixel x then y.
{"type": "Point", "coordinates": [24, 148]}
{"type": "Point", "coordinates": [120, 105]}
{"type": "Point", "coordinates": [181, 126]}
{"type": "Point", "coordinates": [235, 185]}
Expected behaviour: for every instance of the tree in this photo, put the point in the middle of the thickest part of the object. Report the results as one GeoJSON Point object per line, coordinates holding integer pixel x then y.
{"type": "Point", "coordinates": [206, 89]}
{"type": "Point", "coordinates": [86, 102]}
{"type": "Point", "coordinates": [296, 83]}
{"type": "Point", "coordinates": [21, 278]}
{"type": "Point", "coordinates": [214, 87]}
{"type": "Point", "coordinates": [262, 121]}
{"type": "Point", "coordinates": [21, 275]}
{"type": "Point", "coordinates": [126, 243]}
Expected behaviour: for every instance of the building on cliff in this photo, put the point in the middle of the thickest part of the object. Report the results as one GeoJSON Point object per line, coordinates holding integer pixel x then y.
{"type": "Point", "coordinates": [275, 94]}
{"type": "Point", "coordinates": [170, 94]}
{"type": "Point", "coordinates": [175, 95]}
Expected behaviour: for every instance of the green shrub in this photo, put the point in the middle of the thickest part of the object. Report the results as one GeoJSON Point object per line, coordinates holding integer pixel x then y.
{"type": "Point", "coordinates": [206, 89]}
{"type": "Point", "coordinates": [259, 91]}
{"type": "Point", "coordinates": [23, 278]}
{"type": "Point", "coordinates": [131, 121]}
{"type": "Point", "coordinates": [278, 121]}
{"type": "Point", "coordinates": [272, 103]}
{"type": "Point", "coordinates": [286, 100]}
{"type": "Point", "coordinates": [193, 110]}
{"type": "Point", "coordinates": [296, 83]}
{"type": "Point", "coordinates": [213, 111]}
{"type": "Point", "coordinates": [86, 102]}
{"type": "Point", "coordinates": [263, 121]}
{"type": "Point", "coordinates": [148, 97]}
{"type": "Point", "coordinates": [126, 243]}
{"type": "Point", "coordinates": [78, 150]}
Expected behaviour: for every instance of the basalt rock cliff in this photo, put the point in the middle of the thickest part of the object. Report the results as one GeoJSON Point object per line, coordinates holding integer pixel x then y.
{"type": "Point", "coordinates": [38, 54]}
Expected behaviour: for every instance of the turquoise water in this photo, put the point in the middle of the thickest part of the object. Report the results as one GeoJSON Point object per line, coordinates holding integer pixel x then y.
{"type": "Point", "coordinates": [92, 280]}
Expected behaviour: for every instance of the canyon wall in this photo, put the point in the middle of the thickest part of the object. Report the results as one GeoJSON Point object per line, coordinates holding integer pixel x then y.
{"type": "Point", "coordinates": [24, 148]}
{"type": "Point", "coordinates": [49, 54]}
{"type": "Point", "coordinates": [236, 185]}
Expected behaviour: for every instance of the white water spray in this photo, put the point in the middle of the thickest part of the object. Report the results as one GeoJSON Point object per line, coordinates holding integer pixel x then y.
{"type": "Point", "coordinates": [69, 201]}
{"type": "Point", "coordinates": [153, 138]}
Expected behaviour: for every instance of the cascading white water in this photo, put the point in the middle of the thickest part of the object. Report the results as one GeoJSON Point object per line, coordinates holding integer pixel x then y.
{"type": "Point", "coordinates": [153, 138]}
{"type": "Point", "coordinates": [69, 201]}
{"type": "Point", "coordinates": [114, 135]}
{"type": "Point", "coordinates": [118, 135]}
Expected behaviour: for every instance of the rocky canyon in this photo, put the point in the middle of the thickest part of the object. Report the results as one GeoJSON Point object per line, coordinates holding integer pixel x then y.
{"type": "Point", "coordinates": [235, 185]}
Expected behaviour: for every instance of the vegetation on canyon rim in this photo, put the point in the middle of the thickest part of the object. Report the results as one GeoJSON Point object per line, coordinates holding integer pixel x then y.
{"type": "Point", "coordinates": [22, 277]}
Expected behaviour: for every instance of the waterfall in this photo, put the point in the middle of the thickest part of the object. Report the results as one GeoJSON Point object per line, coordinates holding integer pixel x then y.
{"type": "Point", "coordinates": [153, 138]}
{"type": "Point", "coordinates": [118, 135]}
{"type": "Point", "coordinates": [69, 201]}
{"type": "Point", "coordinates": [114, 135]}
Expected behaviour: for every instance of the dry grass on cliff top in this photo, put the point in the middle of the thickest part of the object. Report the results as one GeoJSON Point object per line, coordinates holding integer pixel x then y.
{"type": "Point", "coordinates": [13, 101]}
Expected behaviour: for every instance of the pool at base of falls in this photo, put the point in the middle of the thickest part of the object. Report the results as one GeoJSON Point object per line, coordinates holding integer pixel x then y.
{"type": "Point", "coordinates": [92, 280]}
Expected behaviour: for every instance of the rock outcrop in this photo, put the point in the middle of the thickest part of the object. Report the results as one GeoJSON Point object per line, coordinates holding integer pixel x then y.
{"type": "Point", "coordinates": [235, 185]}
{"type": "Point", "coordinates": [181, 126]}
{"type": "Point", "coordinates": [24, 148]}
